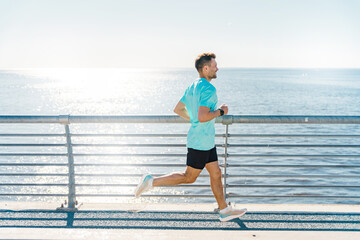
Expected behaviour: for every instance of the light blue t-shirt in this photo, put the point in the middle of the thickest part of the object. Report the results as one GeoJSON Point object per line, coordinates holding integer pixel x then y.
{"type": "Point", "coordinates": [201, 136]}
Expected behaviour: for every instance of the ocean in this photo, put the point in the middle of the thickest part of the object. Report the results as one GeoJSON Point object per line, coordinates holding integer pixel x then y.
{"type": "Point", "coordinates": [156, 91]}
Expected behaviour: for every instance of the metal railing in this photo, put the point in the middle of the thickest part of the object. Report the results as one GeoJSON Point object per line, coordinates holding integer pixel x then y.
{"type": "Point", "coordinates": [227, 156]}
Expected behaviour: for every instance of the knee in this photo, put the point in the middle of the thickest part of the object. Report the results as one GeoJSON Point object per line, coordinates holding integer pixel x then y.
{"type": "Point", "coordinates": [190, 179]}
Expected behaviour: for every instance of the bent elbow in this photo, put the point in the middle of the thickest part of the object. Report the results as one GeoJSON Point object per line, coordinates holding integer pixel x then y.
{"type": "Point", "coordinates": [201, 119]}
{"type": "Point", "coordinates": [177, 111]}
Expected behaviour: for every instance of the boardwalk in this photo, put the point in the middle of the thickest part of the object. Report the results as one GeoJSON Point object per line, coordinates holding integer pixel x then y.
{"type": "Point", "coordinates": [167, 220]}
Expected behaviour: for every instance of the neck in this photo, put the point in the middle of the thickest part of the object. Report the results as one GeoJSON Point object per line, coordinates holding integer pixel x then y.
{"type": "Point", "coordinates": [202, 76]}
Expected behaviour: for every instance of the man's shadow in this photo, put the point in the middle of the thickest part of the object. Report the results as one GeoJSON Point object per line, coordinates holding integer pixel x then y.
{"type": "Point", "coordinates": [257, 221]}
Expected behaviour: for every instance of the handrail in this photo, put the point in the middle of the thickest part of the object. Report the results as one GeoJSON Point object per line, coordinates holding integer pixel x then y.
{"type": "Point", "coordinates": [229, 156]}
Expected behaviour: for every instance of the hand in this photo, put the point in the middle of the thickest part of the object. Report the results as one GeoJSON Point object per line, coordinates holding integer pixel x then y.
{"type": "Point", "coordinates": [225, 108]}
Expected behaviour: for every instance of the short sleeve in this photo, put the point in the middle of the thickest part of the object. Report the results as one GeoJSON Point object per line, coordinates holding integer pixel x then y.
{"type": "Point", "coordinates": [208, 98]}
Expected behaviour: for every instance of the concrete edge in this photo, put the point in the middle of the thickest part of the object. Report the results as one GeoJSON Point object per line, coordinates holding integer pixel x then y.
{"type": "Point", "coordinates": [172, 207]}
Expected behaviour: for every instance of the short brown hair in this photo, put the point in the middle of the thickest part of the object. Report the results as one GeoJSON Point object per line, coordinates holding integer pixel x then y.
{"type": "Point", "coordinates": [203, 59]}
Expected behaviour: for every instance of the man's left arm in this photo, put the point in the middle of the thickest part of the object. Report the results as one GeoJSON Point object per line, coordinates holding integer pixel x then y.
{"type": "Point", "coordinates": [180, 109]}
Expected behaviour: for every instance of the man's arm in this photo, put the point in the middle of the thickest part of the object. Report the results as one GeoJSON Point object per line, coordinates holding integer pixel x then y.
{"type": "Point", "coordinates": [205, 115]}
{"type": "Point", "coordinates": [181, 110]}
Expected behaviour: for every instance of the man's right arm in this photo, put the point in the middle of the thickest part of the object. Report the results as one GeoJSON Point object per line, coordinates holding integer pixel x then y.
{"type": "Point", "coordinates": [180, 110]}
{"type": "Point", "coordinates": [205, 115]}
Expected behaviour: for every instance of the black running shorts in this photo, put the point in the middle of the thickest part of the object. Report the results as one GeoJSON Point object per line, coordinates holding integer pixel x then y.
{"type": "Point", "coordinates": [199, 158]}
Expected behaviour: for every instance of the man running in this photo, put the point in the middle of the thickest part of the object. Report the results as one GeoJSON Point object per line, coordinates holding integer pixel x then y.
{"type": "Point", "coordinates": [199, 106]}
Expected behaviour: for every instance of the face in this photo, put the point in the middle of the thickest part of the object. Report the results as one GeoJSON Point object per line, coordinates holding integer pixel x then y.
{"type": "Point", "coordinates": [210, 70]}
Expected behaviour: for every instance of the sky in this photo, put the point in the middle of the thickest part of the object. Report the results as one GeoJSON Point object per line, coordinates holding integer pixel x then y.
{"type": "Point", "coordinates": [170, 34]}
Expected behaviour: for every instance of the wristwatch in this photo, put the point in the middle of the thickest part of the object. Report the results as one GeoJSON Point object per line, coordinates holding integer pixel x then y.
{"type": "Point", "coordinates": [221, 111]}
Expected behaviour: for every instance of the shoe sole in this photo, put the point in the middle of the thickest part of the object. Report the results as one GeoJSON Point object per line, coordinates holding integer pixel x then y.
{"type": "Point", "coordinates": [226, 219]}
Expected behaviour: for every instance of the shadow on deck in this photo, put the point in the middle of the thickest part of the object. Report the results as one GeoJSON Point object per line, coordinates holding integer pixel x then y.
{"type": "Point", "coordinates": [162, 220]}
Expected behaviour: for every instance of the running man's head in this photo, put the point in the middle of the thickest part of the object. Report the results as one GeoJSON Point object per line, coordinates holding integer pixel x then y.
{"type": "Point", "coordinates": [206, 65]}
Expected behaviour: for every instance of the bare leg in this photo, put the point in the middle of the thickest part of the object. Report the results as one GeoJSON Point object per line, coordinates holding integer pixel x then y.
{"type": "Point", "coordinates": [189, 176]}
{"type": "Point", "coordinates": [216, 183]}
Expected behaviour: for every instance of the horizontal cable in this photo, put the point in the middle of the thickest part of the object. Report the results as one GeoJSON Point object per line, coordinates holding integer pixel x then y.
{"type": "Point", "coordinates": [293, 176]}
{"type": "Point", "coordinates": [99, 135]}
{"type": "Point", "coordinates": [30, 145]}
{"type": "Point", "coordinates": [94, 154]}
{"type": "Point", "coordinates": [178, 195]}
{"type": "Point", "coordinates": [32, 195]}
{"type": "Point", "coordinates": [153, 195]}
{"type": "Point", "coordinates": [127, 155]}
{"type": "Point", "coordinates": [31, 135]}
{"type": "Point", "coordinates": [34, 154]}
{"type": "Point", "coordinates": [177, 155]}
{"type": "Point", "coordinates": [127, 135]}
{"type": "Point", "coordinates": [155, 175]}
{"type": "Point", "coordinates": [128, 165]}
{"type": "Point", "coordinates": [294, 135]}
{"type": "Point", "coordinates": [173, 165]}
{"type": "Point", "coordinates": [79, 175]}
{"type": "Point", "coordinates": [296, 166]}
{"type": "Point", "coordinates": [120, 175]}
{"type": "Point", "coordinates": [179, 145]}
{"type": "Point", "coordinates": [229, 186]}
{"type": "Point", "coordinates": [192, 185]}
{"type": "Point", "coordinates": [134, 145]}
{"type": "Point", "coordinates": [294, 155]}
{"type": "Point", "coordinates": [34, 164]}
{"type": "Point", "coordinates": [162, 135]}
{"type": "Point", "coordinates": [93, 164]}
{"type": "Point", "coordinates": [134, 185]}
{"type": "Point", "coordinates": [292, 119]}
{"type": "Point", "coordinates": [290, 186]}
{"type": "Point", "coordinates": [35, 174]}
{"type": "Point", "coordinates": [292, 196]}
{"type": "Point", "coordinates": [294, 145]}
{"type": "Point", "coordinates": [179, 135]}
{"type": "Point", "coordinates": [228, 176]}
{"type": "Point", "coordinates": [129, 145]}
{"type": "Point", "coordinates": [35, 184]}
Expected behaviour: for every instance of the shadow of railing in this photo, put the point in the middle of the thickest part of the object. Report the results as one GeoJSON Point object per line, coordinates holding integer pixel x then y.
{"type": "Point", "coordinates": [162, 220]}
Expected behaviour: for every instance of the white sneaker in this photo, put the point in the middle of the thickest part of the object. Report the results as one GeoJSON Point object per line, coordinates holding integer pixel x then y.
{"type": "Point", "coordinates": [229, 213]}
{"type": "Point", "coordinates": [144, 185]}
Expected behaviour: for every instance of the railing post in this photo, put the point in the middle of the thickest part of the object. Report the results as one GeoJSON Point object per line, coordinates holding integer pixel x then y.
{"type": "Point", "coordinates": [225, 158]}
{"type": "Point", "coordinates": [71, 169]}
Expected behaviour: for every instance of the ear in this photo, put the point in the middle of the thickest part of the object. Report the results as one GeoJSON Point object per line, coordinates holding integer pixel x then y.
{"type": "Point", "coordinates": [205, 68]}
